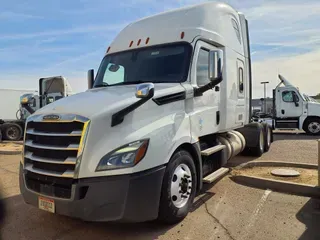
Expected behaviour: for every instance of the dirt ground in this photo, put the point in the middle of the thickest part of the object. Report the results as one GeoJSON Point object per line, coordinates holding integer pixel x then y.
{"type": "Point", "coordinates": [307, 176]}
{"type": "Point", "coordinates": [224, 210]}
{"type": "Point", "coordinates": [10, 146]}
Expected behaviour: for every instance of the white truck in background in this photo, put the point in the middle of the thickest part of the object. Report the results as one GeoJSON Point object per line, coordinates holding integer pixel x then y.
{"type": "Point", "coordinates": [16, 105]}
{"type": "Point", "coordinates": [169, 106]}
{"type": "Point", "coordinates": [294, 110]}
{"type": "Point", "coordinates": [10, 102]}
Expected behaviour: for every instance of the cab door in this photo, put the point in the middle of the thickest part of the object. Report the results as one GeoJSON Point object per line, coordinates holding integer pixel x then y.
{"type": "Point", "coordinates": [204, 110]}
{"type": "Point", "coordinates": [291, 104]}
{"type": "Point", "coordinates": [289, 108]}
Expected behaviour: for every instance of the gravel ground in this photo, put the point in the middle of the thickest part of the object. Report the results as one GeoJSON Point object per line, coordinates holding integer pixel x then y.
{"type": "Point", "coordinates": [225, 210]}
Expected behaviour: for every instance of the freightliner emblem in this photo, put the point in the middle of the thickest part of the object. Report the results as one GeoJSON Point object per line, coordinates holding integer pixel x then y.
{"type": "Point", "coordinates": [51, 117]}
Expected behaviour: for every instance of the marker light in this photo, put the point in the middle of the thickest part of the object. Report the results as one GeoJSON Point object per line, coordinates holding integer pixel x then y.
{"type": "Point", "coordinates": [147, 40]}
{"type": "Point", "coordinates": [182, 35]}
{"type": "Point", "coordinates": [139, 42]}
{"type": "Point", "coordinates": [108, 49]}
{"type": "Point", "coordinates": [131, 44]}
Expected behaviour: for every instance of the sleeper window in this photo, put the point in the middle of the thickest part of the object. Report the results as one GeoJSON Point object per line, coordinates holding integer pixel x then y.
{"type": "Point", "coordinates": [241, 80]}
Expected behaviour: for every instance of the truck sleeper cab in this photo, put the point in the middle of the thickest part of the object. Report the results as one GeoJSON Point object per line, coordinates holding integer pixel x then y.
{"type": "Point", "coordinates": [164, 113]}
{"type": "Point", "coordinates": [294, 110]}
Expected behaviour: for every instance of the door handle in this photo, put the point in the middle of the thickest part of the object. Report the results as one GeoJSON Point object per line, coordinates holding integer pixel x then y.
{"type": "Point", "coordinates": [282, 111]}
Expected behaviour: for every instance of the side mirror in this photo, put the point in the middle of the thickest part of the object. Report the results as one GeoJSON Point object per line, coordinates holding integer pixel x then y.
{"type": "Point", "coordinates": [29, 99]}
{"type": "Point", "coordinates": [295, 100]}
{"type": "Point", "coordinates": [145, 90]}
{"type": "Point", "coordinates": [26, 101]}
{"type": "Point", "coordinates": [215, 64]}
{"type": "Point", "coordinates": [90, 78]}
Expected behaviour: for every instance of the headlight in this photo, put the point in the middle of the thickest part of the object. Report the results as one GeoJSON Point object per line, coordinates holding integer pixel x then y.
{"type": "Point", "coordinates": [125, 156]}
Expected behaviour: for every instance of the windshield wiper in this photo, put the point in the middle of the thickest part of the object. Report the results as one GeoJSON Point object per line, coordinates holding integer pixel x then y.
{"type": "Point", "coordinates": [127, 83]}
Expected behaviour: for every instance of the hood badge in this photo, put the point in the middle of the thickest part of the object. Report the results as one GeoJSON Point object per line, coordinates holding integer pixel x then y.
{"type": "Point", "coordinates": [52, 117]}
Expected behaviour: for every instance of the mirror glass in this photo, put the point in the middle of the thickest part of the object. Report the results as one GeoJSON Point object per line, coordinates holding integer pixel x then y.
{"type": "Point", "coordinates": [215, 64]}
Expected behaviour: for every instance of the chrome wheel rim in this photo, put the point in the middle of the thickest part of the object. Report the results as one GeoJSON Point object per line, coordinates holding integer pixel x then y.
{"type": "Point", "coordinates": [314, 127]}
{"type": "Point", "coordinates": [181, 185]}
{"type": "Point", "coordinates": [261, 141]}
{"type": "Point", "coordinates": [12, 132]}
{"type": "Point", "coordinates": [269, 137]}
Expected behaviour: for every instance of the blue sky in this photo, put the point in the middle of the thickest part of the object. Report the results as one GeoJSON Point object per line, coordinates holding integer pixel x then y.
{"type": "Point", "coordinates": [47, 38]}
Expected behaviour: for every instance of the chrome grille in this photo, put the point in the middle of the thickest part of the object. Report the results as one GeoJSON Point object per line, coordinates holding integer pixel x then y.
{"type": "Point", "coordinates": [51, 148]}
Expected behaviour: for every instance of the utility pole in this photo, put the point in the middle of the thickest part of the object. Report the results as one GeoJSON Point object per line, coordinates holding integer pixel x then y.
{"type": "Point", "coordinates": [265, 96]}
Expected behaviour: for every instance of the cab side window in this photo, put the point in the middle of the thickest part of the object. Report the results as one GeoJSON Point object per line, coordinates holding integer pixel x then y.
{"type": "Point", "coordinates": [289, 96]}
{"type": "Point", "coordinates": [202, 67]}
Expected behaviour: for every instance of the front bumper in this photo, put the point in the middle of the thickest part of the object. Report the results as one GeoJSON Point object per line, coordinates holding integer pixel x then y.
{"type": "Point", "coordinates": [129, 198]}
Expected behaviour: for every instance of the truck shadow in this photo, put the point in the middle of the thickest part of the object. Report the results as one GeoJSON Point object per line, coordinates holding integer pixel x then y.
{"type": "Point", "coordinates": [37, 224]}
{"type": "Point", "coordinates": [309, 215]}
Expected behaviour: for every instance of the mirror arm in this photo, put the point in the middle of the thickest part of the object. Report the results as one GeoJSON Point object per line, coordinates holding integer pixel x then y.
{"type": "Point", "coordinates": [27, 107]}
{"type": "Point", "coordinates": [199, 91]}
{"type": "Point", "coordinates": [118, 117]}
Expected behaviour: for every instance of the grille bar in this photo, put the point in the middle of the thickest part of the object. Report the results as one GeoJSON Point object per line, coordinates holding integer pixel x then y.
{"type": "Point", "coordinates": [71, 147]}
{"type": "Point", "coordinates": [65, 174]}
{"type": "Point", "coordinates": [69, 160]}
{"type": "Point", "coordinates": [51, 151]}
{"type": "Point", "coordinates": [72, 134]}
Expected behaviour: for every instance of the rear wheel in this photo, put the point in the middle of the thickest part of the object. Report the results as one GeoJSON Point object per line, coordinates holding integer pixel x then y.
{"type": "Point", "coordinates": [12, 132]}
{"type": "Point", "coordinates": [258, 150]}
{"type": "Point", "coordinates": [255, 139]}
{"type": "Point", "coordinates": [178, 188]}
{"type": "Point", "coordinates": [268, 136]}
{"type": "Point", "coordinates": [312, 126]}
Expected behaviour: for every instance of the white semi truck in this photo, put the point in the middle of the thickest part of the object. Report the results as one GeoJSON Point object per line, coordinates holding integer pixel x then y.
{"type": "Point", "coordinates": [11, 124]}
{"type": "Point", "coordinates": [169, 106]}
{"type": "Point", "coordinates": [294, 110]}
{"type": "Point", "coordinates": [16, 105]}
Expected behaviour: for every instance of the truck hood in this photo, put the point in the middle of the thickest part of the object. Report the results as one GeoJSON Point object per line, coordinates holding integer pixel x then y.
{"type": "Point", "coordinates": [313, 108]}
{"type": "Point", "coordinates": [95, 101]}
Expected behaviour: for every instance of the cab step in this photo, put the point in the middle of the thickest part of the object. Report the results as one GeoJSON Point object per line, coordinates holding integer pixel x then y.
{"type": "Point", "coordinates": [212, 150]}
{"type": "Point", "coordinates": [216, 175]}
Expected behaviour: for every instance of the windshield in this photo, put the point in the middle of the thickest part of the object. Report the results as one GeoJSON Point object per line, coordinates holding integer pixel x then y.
{"type": "Point", "coordinates": [158, 64]}
{"type": "Point", "coordinates": [309, 99]}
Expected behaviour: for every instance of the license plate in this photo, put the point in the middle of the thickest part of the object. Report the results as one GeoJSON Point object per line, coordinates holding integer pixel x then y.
{"type": "Point", "coordinates": [46, 204]}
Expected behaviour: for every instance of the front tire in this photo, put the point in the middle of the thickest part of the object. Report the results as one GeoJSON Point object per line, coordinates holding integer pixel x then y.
{"type": "Point", "coordinates": [178, 188]}
{"type": "Point", "coordinates": [312, 126]}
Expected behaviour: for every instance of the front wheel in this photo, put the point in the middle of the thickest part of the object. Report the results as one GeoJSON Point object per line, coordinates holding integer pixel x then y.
{"type": "Point", "coordinates": [312, 127]}
{"type": "Point", "coordinates": [178, 188]}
